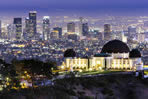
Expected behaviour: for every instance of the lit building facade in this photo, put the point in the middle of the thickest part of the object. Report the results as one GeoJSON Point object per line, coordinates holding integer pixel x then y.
{"type": "Point", "coordinates": [114, 55]}
{"type": "Point", "coordinates": [131, 31]}
{"type": "Point", "coordinates": [71, 28]}
{"type": "Point", "coordinates": [85, 29]}
{"type": "Point", "coordinates": [107, 32]}
{"type": "Point", "coordinates": [59, 29]}
{"type": "Point", "coordinates": [32, 24]}
{"type": "Point", "coordinates": [27, 28]}
{"type": "Point", "coordinates": [46, 28]}
{"type": "Point", "coordinates": [141, 37]}
{"type": "Point", "coordinates": [76, 64]}
{"type": "Point", "coordinates": [18, 27]}
{"type": "Point", "coordinates": [80, 25]}
{"type": "Point", "coordinates": [11, 32]}
{"type": "Point", "coordinates": [54, 34]}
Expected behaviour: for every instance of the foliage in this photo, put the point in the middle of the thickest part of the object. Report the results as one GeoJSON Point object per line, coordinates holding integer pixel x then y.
{"type": "Point", "coordinates": [34, 68]}
{"type": "Point", "coordinates": [9, 75]}
{"type": "Point", "coordinates": [108, 87]}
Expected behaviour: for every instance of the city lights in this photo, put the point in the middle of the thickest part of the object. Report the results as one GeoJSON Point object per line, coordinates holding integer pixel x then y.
{"type": "Point", "coordinates": [73, 49]}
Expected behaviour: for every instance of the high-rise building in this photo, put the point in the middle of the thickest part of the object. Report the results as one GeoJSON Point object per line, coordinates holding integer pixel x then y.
{"type": "Point", "coordinates": [71, 28]}
{"type": "Point", "coordinates": [80, 25]}
{"type": "Point", "coordinates": [27, 28]}
{"type": "Point", "coordinates": [32, 24]}
{"type": "Point", "coordinates": [131, 30]}
{"type": "Point", "coordinates": [18, 27]}
{"type": "Point", "coordinates": [59, 31]}
{"type": "Point", "coordinates": [11, 32]}
{"type": "Point", "coordinates": [54, 34]}
{"type": "Point", "coordinates": [85, 29]}
{"type": "Point", "coordinates": [107, 32]}
{"type": "Point", "coordinates": [123, 37]}
{"type": "Point", "coordinates": [141, 37]}
{"type": "Point", "coordinates": [46, 28]}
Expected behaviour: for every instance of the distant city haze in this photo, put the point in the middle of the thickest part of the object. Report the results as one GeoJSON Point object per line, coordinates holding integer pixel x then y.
{"type": "Point", "coordinates": [68, 7]}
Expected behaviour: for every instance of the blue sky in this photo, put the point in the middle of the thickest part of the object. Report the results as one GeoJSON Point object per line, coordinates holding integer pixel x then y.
{"type": "Point", "coordinates": [67, 6]}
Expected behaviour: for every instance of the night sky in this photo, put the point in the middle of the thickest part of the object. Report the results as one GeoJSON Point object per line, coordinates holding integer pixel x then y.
{"type": "Point", "coordinates": [75, 6]}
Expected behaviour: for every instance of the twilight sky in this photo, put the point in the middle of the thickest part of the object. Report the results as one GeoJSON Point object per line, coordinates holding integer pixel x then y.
{"type": "Point", "coordinates": [75, 6]}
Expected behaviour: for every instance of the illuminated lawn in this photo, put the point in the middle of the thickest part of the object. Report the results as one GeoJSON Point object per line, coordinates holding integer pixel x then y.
{"type": "Point", "coordinates": [95, 72]}
{"type": "Point", "coordinates": [145, 66]}
{"type": "Point", "coordinates": [146, 72]}
{"type": "Point", "coordinates": [100, 72]}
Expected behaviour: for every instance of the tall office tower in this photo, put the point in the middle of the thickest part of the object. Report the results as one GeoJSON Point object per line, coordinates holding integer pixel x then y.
{"type": "Point", "coordinates": [131, 31]}
{"type": "Point", "coordinates": [80, 26]}
{"type": "Point", "coordinates": [123, 37]}
{"type": "Point", "coordinates": [11, 32]}
{"type": "Point", "coordinates": [0, 29]}
{"type": "Point", "coordinates": [141, 37]}
{"type": "Point", "coordinates": [59, 31]}
{"type": "Point", "coordinates": [18, 27]}
{"type": "Point", "coordinates": [107, 32]}
{"type": "Point", "coordinates": [71, 28]}
{"type": "Point", "coordinates": [32, 24]}
{"type": "Point", "coordinates": [27, 29]}
{"type": "Point", "coordinates": [54, 34]}
{"type": "Point", "coordinates": [46, 28]}
{"type": "Point", "coordinates": [85, 29]}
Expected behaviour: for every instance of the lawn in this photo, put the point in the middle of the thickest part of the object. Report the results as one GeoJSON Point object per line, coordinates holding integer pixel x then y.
{"type": "Point", "coordinates": [100, 72]}
{"type": "Point", "coordinates": [145, 66]}
{"type": "Point", "coordinates": [93, 72]}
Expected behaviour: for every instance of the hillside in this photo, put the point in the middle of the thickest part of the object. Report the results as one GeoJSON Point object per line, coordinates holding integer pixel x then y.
{"type": "Point", "coordinates": [104, 87]}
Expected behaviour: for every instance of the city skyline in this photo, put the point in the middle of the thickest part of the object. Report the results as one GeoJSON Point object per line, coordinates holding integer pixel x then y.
{"type": "Point", "coordinates": [79, 49]}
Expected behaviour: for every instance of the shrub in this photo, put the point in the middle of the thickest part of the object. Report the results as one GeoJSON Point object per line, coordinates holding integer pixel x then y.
{"type": "Point", "coordinates": [81, 93]}
{"type": "Point", "coordinates": [107, 91]}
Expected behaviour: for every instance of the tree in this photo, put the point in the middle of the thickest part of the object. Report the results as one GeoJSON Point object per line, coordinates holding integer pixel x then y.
{"type": "Point", "coordinates": [9, 75]}
{"type": "Point", "coordinates": [37, 67]}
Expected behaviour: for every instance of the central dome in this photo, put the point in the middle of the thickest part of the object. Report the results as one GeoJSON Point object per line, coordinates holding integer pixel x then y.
{"type": "Point", "coordinates": [69, 53]}
{"type": "Point", "coordinates": [115, 46]}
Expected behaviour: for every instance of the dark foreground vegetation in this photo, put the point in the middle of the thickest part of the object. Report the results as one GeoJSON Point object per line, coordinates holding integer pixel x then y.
{"type": "Point", "coordinates": [104, 87]}
{"type": "Point", "coordinates": [12, 74]}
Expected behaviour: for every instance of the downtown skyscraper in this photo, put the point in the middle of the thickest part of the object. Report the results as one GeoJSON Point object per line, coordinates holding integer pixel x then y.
{"type": "Point", "coordinates": [59, 29]}
{"type": "Point", "coordinates": [11, 35]}
{"type": "Point", "coordinates": [46, 28]}
{"type": "Point", "coordinates": [132, 31]}
{"type": "Point", "coordinates": [32, 24]}
{"type": "Point", "coordinates": [26, 34]}
{"type": "Point", "coordinates": [71, 28]}
{"type": "Point", "coordinates": [107, 32]}
{"type": "Point", "coordinates": [18, 27]}
{"type": "Point", "coordinates": [85, 29]}
{"type": "Point", "coordinates": [80, 25]}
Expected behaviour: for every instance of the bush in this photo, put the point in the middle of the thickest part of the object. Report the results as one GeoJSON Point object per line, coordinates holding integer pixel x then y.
{"type": "Point", "coordinates": [86, 97]}
{"type": "Point", "coordinates": [81, 93]}
{"type": "Point", "coordinates": [107, 91]}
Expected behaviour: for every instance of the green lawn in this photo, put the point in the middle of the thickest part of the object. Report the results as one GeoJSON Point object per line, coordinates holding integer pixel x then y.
{"type": "Point", "coordinates": [95, 72]}
{"type": "Point", "coordinates": [100, 72]}
{"type": "Point", "coordinates": [145, 66]}
{"type": "Point", "coordinates": [146, 72]}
